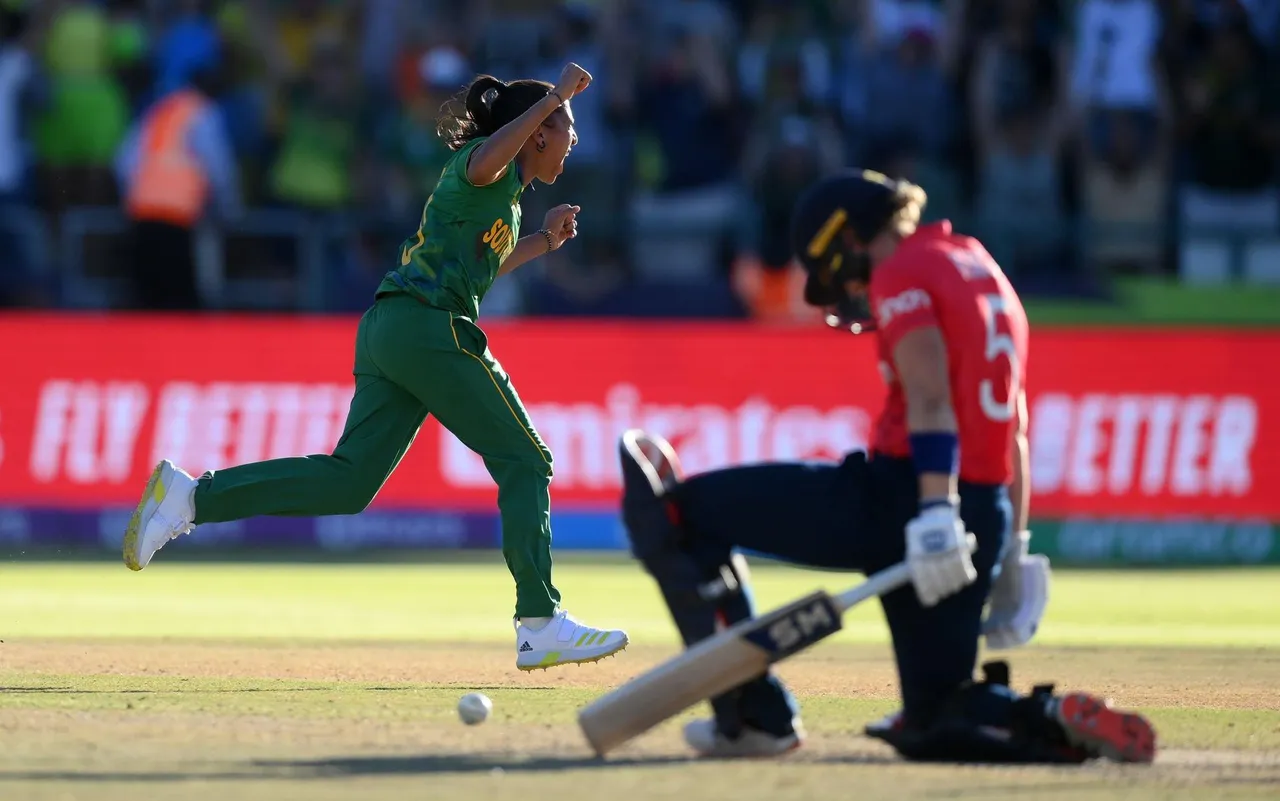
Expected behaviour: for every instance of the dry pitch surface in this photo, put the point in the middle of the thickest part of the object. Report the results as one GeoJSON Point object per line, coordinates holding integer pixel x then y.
{"type": "Point", "coordinates": [339, 682]}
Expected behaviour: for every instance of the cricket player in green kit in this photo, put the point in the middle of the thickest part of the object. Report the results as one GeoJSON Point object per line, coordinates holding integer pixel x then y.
{"type": "Point", "coordinates": [419, 351]}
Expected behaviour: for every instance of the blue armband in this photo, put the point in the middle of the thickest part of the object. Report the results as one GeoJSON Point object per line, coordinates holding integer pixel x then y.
{"type": "Point", "coordinates": [936, 452]}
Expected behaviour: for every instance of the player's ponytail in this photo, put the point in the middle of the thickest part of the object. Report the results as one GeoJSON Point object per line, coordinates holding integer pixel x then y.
{"type": "Point", "coordinates": [484, 106]}
{"type": "Point", "coordinates": [469, 114]}
{"type": "Point", "coordinates": [479, 107]}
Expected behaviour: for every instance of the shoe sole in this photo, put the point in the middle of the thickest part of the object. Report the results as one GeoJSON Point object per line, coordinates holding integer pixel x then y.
{"type": "Point", "coordinates": [586, 660]}
{"type": "Point", "coordinates": [1093, 725]}
{"type": "Point", "coordinates": [145, 508]}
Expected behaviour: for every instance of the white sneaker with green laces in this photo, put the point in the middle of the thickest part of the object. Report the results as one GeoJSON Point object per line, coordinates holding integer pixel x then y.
{"type": "Point", "coordinates": [563, 640]}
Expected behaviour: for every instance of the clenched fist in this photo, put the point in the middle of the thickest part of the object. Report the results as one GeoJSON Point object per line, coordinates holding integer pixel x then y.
{"type": "Point", "coordinates": [573, 81]}
{"type": "Point", "coordinates": [562, 223]}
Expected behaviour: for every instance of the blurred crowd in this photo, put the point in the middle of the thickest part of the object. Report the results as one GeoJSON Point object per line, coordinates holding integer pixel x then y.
{"type": "Point", "coordinates": [1080, 138]}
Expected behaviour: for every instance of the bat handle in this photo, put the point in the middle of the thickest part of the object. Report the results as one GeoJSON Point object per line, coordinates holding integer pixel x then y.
{"type": "Point", "coordinates": [885, 581]}
{"type": "Point", "coordinates": [880, 583]}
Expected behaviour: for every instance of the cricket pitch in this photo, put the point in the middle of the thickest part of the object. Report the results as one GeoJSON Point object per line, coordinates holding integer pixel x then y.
{"type": "Point", "coordinates": [143, 695]}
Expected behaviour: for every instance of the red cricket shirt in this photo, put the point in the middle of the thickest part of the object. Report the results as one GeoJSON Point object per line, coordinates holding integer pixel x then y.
{"type": "Point", "coordinates": [939, 278]}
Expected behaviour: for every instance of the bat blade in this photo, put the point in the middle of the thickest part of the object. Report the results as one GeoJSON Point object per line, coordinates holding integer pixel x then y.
{"type": "Point", "coordinates": [714, 666]}
{"type": "Point", "coordinates": [669, 689]}
{"type": "Point", "coordinates": [724, 661]}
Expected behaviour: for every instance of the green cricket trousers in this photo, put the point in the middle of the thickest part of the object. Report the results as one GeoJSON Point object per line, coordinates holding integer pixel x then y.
{"type": "Point", "coordinates": [412, 360]}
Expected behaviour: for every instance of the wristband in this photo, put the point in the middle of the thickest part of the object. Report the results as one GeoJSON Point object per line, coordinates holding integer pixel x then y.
{"type": "Point", "coordinates": [935, 452]}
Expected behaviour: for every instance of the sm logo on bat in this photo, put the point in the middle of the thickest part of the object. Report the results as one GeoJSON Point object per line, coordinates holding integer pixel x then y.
{"type": "Point", "coordinates": [796, 626]}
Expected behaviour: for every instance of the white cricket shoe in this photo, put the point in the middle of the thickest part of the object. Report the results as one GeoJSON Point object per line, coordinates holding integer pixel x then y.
{"type": "Point", "coordinates": [705, 737]}
{"type": "Point", "coordinates": [563, 641]}
{"type": "Point", "coordinates": [166, 511]}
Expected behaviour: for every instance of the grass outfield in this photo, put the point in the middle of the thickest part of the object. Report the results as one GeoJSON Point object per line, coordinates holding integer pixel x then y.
{"type": "Point", "coordinates": [325, 681]}
{"type": "Point", "coordinates": [1166, 302]}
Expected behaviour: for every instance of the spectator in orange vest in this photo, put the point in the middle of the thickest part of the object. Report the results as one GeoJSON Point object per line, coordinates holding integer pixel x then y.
{"type": "Point", "coordinates": [176, 166]}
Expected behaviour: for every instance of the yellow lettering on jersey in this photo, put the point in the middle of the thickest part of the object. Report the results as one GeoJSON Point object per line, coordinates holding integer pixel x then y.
{"type": "Point", "coordinates": [499, 238]}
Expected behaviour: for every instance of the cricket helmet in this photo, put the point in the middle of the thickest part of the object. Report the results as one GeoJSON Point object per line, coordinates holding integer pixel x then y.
{"type": "Point", "coordinates": [831, 225]}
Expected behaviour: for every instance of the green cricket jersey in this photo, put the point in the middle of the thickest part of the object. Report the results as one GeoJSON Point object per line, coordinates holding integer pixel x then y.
{"type": "Point", "coordinates": [465, 233]}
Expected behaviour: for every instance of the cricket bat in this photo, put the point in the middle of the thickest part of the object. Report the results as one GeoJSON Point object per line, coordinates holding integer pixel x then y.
{"type": "Point", "coordinates": [720, 663]}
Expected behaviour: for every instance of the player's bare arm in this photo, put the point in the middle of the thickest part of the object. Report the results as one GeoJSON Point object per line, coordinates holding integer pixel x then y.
{"type": "Point", "coordinates": [490, 161]}
{"type": "Point", "coordinates": [1020, 487]}
{"type": "Point", "coordinates": [938, 547]}
{"type": "Point", "coordinates": [558, 226]}
{"type": "Point", "coordinates": [920, 360]}
{"type": "Point", "coordinates": [526, 250]}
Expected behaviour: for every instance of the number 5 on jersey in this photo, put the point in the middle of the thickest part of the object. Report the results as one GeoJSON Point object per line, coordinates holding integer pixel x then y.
{"type": "Point", "coordinates": [999, 343]}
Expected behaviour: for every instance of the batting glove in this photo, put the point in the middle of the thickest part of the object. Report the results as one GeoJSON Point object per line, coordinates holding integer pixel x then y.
{"type": "Point", "coordinates": [1018, 596]}
{"type": "Point", "coordinates": [938, 551]}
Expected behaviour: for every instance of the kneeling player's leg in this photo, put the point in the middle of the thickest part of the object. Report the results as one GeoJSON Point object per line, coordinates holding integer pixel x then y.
{"type": "Point", "coordinates": [808, 513]}
{"type": "Point", "coordinates": [986, 721]}
{"type": "Point", "coordinates": [685, 533]}
{"type": "Point", "coordinates": [948, 716]}
{"type": "Point", "coordinates": [704, 588]}
{"type": "Point", "coordinates": [936, 648]}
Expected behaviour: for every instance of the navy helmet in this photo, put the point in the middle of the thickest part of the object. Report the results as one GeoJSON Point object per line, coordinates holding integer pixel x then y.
{"type": "Point", "coordinates": [833, 222]}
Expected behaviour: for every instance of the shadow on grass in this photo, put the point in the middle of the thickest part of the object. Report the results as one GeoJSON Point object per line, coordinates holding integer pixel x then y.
{"type": "Point", "coordinates": [409, 765]}
{"type": "Point", "coordinates": [481, 763]}
{"type": "Point", "coordinates": [351, 767]}
{"type": "Point", "coordinates": [449, 763]}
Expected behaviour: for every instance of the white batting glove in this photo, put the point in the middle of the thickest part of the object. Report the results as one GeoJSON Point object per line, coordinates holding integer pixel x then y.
{"type": "Point", "coordinates": [1018, 597]}
{"type": "Point", "coordinates": [938, 551]}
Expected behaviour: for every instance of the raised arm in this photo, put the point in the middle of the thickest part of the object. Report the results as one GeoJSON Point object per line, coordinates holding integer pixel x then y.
{"type": "Point", "coordinates": [490, 161]}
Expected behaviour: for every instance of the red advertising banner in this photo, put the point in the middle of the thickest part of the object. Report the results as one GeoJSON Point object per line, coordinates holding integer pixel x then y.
{"type": "Point", "coordinates": [1124, 422]}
